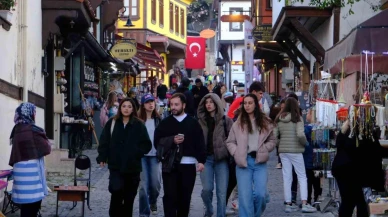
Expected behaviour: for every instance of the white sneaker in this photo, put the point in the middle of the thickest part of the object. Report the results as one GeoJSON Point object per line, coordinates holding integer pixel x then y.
{"type": "Point", "coordinates": [307, 208]}
{"type": "Point", "coordinates": [291, 208]}
{"type": "Point", "coordinates": [230, 211]}
{"type": "Point", "coordinates": [279, 166]}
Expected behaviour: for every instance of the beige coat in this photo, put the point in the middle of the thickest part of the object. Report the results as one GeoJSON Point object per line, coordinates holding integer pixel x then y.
{"type": "Point", "coordinates": [237, 144]}
{"type": "Point", "coordinates": [292, 137]}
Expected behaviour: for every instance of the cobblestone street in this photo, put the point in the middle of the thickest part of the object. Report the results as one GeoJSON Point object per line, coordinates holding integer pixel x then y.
{"type": "Point", "coordinates": [100, 197]}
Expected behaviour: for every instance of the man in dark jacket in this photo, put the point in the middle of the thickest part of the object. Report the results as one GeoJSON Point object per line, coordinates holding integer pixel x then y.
{"type": "Point", "coordinates": [184, 88]}
{"type": "Point", "coordinates": [199, 91]}
{"type": "Point", "coordinates": [188, 147]}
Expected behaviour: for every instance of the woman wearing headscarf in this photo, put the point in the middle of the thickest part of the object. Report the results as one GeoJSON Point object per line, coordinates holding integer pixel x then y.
{"type": "Point", "coordinates": [29, 145]}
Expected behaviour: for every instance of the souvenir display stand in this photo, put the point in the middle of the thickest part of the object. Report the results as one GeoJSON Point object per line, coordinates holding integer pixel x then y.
{"type": "Point", "coordinates": [323, 137]}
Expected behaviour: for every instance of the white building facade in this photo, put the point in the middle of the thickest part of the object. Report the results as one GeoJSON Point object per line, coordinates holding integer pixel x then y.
{"type": "Point", "coordinates": [21, 57]}
{"type": "Point", "coordinates": [324, 33]}
{"type": "Point", "coordinates": [232, 34]}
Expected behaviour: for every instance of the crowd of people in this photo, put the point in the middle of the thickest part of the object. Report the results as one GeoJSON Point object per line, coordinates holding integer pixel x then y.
{"type": "Point", "coordinates": [227, 139]}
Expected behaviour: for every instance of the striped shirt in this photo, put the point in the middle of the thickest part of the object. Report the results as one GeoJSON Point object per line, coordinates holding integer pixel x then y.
{"type": "Point", "coordinates": [29, 183]}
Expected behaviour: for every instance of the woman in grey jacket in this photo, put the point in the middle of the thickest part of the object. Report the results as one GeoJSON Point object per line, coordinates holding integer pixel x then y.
{"type": "Point", "coordinates": [290, 128]}
{"type": "Point", "coordinates": [215, 126]}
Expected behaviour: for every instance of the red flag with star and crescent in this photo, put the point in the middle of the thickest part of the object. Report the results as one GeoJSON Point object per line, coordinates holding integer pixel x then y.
{"type": "Point", "coordinates": [195, 53]}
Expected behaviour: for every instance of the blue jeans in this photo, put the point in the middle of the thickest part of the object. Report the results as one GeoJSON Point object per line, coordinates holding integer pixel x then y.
{"type": "Point", "coordinates": [252, 202]}
{"type": "Point", "coordinates": [219, 170]}
{"type": "Point", "coordinates": [150, 183]}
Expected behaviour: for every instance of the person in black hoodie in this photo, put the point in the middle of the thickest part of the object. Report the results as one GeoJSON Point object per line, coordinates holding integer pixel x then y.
{"type": "Point", "coordinates": [123, 142]}
{"type": "Point", "coordinates": [357, 165]}
{"type": "Point", "coordinates": [189, 147]}
{"type": "Point", "coordinates": [199, 91]}
{"type": "Point", "coordinates": [184, 88]}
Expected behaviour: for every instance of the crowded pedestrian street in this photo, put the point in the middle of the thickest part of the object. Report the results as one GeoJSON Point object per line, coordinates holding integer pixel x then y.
{"type": "Point", "coordinates": [200, 108]}
{"type": "Point", "coordinates": [100, 196]}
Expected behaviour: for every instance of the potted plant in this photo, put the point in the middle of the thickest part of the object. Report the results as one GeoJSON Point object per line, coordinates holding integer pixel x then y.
{"type": "Point", "coordinates": [5, 7]}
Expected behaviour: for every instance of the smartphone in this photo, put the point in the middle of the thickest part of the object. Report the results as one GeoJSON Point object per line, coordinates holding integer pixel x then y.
{"type": "Point", "coordinates": [181, 135]}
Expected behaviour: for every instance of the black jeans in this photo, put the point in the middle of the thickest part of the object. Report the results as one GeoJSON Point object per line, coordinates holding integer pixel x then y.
{"type": "Point", "coordinates": [123, 188]}
{"type": "Point", "coordinates": [178, 186]}
{"type": "Point", "coordinates": [313, 182]}
{"type": "Point", "coordinates": [351, 196]}
{"type": "Point", "coordinates": [232, 180]}
{"type": "Point", "coordinates": [30, 209]}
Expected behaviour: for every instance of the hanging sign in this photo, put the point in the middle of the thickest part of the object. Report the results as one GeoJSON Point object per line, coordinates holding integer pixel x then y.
{"type": "Point", "coordinates": [238, 18]}
{"type": "Point", "coordinates": [262, 33]}
{"type": "Point", "coordinates": [207, 33]}
{"type": "Point", "coordinates": [124, 51]}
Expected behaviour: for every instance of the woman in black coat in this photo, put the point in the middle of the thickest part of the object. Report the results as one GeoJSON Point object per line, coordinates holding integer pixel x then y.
{"type": "Point", "coordinates": [123, 142]}
{"type": "Point", "coordinates": [356, 167]}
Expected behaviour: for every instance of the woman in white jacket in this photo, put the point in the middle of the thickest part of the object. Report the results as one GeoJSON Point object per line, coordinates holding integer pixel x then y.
{"type": "Point", "coordinates": [290, 128]}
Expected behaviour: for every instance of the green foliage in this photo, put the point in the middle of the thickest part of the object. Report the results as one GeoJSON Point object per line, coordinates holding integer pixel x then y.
{"type": "Point", "coordinates": [338, 3]}
{"type": "Point", "coordinates": [7, 4]}
{"type": "Point", "coordinates": [198, 11]}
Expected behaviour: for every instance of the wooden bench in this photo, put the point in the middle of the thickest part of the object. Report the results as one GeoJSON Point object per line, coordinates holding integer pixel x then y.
{"type": "Point", "coordinates": [72, 194]}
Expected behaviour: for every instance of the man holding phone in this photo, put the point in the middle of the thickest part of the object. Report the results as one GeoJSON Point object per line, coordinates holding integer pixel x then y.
{"type": "Point", "coordinates": [188, 140]}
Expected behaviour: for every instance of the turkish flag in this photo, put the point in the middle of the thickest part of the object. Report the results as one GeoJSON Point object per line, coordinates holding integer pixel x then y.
{"type": "Point", "coordinates": [195, 53]}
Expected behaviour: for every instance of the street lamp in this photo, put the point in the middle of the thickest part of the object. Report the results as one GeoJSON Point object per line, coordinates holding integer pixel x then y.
{"type": "Point", "coordinates": [129, 21]}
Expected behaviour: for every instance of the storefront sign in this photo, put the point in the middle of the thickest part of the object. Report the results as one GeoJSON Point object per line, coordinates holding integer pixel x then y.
{"type": "Point", "coordinates": [248, 44]}
{"type": "Point", "coordinates": [234, 18]}
{"type": "Point", "coordinates": [123, 51]}
{"type": "Point", "coordinates": [262, 33]}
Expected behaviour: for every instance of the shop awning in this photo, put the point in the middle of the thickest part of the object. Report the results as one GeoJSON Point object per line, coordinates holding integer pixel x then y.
{"type": "Point", "coordinates": [148, 58]}
{"type": "Point", "coordinates": [163, 44]}
{"type": "Point", "coordinates": [371, 36]}
{"type": "Point", "coordinates": [297, 24]}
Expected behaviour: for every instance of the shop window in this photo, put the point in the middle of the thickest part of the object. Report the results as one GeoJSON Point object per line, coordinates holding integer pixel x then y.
{"type": "Point", "coordinates": [176, 13]}
{"type": "Point", "coordinates": [171, 11]}
{"type": "Point", "coordinates": [235, 26]}
{"type": "Point", "coordinates": [131, 9]}
{"type": "Point", "coordinates": [183, 23]}
{"type": "Point", "coordinates": [269, 4]}
{"type": "Point", "coordinates": [161, 13]}
{"type": "Point", "coordinates": [153, 11]}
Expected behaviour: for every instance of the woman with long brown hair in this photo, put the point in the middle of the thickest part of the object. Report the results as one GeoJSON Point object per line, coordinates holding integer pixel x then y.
{"type": "Point", "coordinates": [123, 143]}
{"type": "Point", "coordinates": [290, 129]}
{"type": "Point", "coordinates": [151, 176]}
{"type": "Point", "coordinates": [250, 141]}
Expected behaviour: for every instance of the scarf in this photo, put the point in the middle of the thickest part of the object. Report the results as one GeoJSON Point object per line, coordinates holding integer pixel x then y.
{"type": "Point", "coordinates": [25, 113]}
{"type": "Point", "coordinates": [28, 140]}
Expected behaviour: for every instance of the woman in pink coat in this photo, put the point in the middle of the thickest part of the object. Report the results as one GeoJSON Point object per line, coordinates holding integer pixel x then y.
{"type": "Point", "coordinates": [250, 141]}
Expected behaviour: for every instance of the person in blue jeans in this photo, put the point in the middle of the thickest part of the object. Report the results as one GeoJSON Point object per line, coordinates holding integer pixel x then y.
{"type": "Point", "coordinates": [215, 126]}
{"type": "Point", "coordinates": [250, 141]}
{"type": "Point", "coordinates": [150, 177]}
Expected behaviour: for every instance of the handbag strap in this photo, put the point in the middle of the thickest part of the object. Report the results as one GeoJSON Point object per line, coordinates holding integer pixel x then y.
{"type": "Point", "coordinates": [112, 126]}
